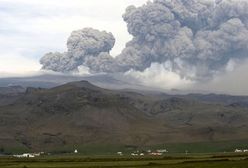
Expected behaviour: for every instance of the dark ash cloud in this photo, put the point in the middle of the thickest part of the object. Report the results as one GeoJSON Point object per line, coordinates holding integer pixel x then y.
{"type": "Point", "coordinates": [196, 38]}
{"type": "Point", "coordinates": [83, 45]}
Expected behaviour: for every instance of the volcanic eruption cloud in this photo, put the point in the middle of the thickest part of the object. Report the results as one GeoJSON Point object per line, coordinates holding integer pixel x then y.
{"type": "Point", "coordinates": [195, 39]}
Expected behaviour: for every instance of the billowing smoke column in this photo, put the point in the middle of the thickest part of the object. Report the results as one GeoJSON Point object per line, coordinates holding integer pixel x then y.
{"type": "Point", "coordinates": [83, 46]}
{"type": "Point", "coordinates": [193, 38]}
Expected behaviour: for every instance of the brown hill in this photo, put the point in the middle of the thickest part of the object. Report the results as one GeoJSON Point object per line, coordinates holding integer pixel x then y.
{"type": "Point", "coordinates": [81, 113]}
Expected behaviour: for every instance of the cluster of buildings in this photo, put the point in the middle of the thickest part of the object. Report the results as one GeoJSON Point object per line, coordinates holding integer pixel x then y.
{"type": "Point", "coordinates": [240, 150]}
{"type": "Point", "coordinates": [29, 155]}
{"type": "Point", "coordinates": [33, 155]}
{"type": "Point", "coordinates": [158, 152]}
{"type": "Point", "coordinates": [137, 154]}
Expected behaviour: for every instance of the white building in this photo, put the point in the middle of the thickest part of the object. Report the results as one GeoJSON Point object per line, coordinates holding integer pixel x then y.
{"type": "Point", "coordinates": [120, 153]}
{"type": "Point", "coordinates": [25, 155]}
{"type": "Point", "coordinates": [238, 151]}
{"type": "Point", "coordinates": [162, 151]}
{"type": "Point", "coordinates": [156, 154]}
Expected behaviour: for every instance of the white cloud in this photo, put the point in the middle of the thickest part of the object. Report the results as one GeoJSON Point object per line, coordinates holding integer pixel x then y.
{"type": "Point", "coordinates": [232, 82]}
{"type": "Point", "coordinates": [31, 28]}
{"type": "Point", "coordinates": [16, 64]}
{"type": "Point", "coordinates": [159, 76]}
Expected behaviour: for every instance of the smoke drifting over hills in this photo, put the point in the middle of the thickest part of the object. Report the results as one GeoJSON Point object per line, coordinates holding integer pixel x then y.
{"type": "Point", "coordinates": [195, 39]}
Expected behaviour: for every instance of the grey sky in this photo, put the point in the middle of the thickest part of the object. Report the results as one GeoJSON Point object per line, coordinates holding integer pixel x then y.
{"type": "Point", "coordinates": [30, 28]}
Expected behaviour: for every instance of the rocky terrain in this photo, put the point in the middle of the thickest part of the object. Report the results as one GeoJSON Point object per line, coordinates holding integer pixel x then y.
{"type": "Point", "coordinates": [82, 113]}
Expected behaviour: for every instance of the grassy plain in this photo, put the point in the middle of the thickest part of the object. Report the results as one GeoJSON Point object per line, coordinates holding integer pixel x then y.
{"type": "Point", "coordinates": [200, 155]}
{"type": "Point", "coordinates": [227, 160]}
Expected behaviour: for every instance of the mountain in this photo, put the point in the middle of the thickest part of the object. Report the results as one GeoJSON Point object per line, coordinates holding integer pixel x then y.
{"type": "Point", "coordinates": [10, 94]}
{"type": "Point", "coordinates": [82, 113]}
{"type": "Point", "coordinates": [15, 89]}
{"type": "Point", "coordinates": [53, 80]}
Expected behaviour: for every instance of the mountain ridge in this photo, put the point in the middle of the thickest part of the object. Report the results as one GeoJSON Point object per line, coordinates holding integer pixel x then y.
{"type": "Point", "coordinates": [82, 113]}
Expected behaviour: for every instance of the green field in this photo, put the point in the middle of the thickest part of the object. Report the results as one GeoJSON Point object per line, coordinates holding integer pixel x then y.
{"type": "Point", "coordinates": [228, 160]}
{"type": "Point", "coordinates": [111, 149]}
{"type": "Point", "coordinates": [200, 155]}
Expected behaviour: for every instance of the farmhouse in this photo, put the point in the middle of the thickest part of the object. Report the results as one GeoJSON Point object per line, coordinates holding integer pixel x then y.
{"type": "Point", "coordinates": [29, 155]}
{"type": "Point", "coordinates": [119, 153]}
{"type": "Point", "coordinates": [156, 154]}
{"type": "Point", "coordinates": [162, 151]}
{"type": "Point", "coordinates": [134, 154]}
{"type": "Point", "coordinates": [240, 150]}
{"type": "Point", "coordinates": [25, 155]}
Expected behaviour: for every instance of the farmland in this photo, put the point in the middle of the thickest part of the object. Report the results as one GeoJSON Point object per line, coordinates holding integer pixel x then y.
{"type": "Point", "coordinates": [227, 160]}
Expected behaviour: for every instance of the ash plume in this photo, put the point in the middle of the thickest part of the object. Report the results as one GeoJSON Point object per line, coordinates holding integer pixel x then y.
{"type": "Point", "coordinates": [83, 45]}
{"type": "Point", "coordinates": [196, 38]}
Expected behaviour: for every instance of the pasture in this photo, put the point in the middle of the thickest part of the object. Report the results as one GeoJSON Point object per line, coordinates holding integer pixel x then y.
{"type": "Point", "coordinates": [227, 160]}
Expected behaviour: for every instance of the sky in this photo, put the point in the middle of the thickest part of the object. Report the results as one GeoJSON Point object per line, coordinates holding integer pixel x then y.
{"type": "Point", "coordinates": [31, 28]}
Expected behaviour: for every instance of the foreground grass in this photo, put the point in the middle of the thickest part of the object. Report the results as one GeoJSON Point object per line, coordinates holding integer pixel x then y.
{"type": "Point", "coordinates": [193, 161]}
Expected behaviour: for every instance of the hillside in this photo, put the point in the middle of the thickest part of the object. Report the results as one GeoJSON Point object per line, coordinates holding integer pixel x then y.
{"type": "Point", "coordinates": [10, 94]}
{"type": "Point", "coordinates": [81, 113]}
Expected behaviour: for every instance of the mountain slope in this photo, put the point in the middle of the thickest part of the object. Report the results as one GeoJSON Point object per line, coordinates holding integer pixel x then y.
{"type": "Point", "coordinates": [81, 113]}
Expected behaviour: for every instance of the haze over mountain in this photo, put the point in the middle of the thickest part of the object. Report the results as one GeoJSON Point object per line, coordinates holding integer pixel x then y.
{"type": "Point", "coordinates": [186, 45]}
{"type": "Point", "coordinates": [194, 39]}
